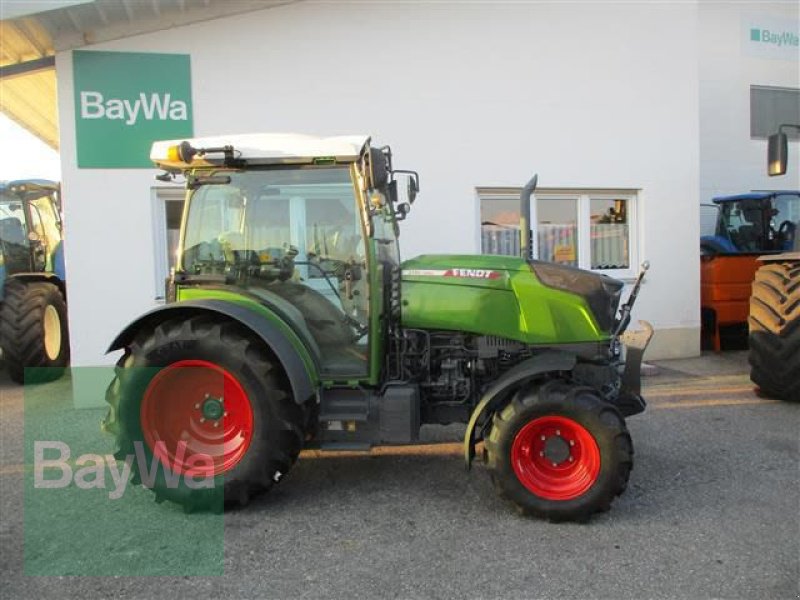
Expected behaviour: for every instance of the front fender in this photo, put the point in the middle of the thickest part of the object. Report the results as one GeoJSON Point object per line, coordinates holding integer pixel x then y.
{"type": "Point", "coordinates": [547, 362]}
{"type": "Point", "coordinates": [295, 361]}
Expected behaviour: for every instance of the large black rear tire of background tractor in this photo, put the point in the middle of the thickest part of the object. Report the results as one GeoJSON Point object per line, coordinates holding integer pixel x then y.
{"type": "Point", "coordinates": [774, 325]}
{"type": "Point", "coordinates": [217, 388]}
{"type": "Point", "coordinates": [33, 331]}
{"type": "Point", "coordinates": [559, 451]}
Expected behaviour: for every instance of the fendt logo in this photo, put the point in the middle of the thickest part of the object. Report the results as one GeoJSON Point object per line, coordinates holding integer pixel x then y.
{"type": "Point", "coordinates": [146, 106]}
{"type": "Point", "coordinates": [458, 273]}
{"type": "Point", "coordinates": [775, 38]}
{"type": "Point", "coordinates": [472, 273]}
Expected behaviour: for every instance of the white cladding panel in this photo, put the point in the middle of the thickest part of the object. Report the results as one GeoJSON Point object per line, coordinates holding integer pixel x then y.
{"type": "Point", "coordinates": [730, 62]}
{"type": "Point", "coordinates": [470, 95]}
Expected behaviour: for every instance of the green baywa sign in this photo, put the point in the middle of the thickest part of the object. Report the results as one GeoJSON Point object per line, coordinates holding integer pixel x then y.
{"type": "Point", "coordinates": [126, 100]}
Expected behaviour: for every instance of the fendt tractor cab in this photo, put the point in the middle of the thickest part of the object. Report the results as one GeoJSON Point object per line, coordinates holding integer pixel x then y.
{"type": "Point", "coordinates": [33, 311]}
{"type": "Point", "coordinates": [292, 322]}
{"type": "Point", "coordinates": [748, 226]}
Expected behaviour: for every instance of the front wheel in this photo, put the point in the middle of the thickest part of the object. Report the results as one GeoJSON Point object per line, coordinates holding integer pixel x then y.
{"type": "Point", "coordinates": [559, 451]}
{"type": "Point", "coordinates": [205, 413]}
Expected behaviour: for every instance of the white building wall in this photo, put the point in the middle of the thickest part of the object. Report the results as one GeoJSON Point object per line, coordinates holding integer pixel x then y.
{"type": "Point", "coordinates": [470, 95]}
{"type": "Point", "coordinates": [730, 161]}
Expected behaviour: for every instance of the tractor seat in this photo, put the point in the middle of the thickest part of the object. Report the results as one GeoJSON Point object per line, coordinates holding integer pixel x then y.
{"type": "Point", "coordinates": [749, 238]}
{"type": "Point", "coordinates": [12, 231]}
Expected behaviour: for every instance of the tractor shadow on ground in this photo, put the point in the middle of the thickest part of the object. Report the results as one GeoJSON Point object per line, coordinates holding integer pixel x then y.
{"type": "Point", "coordinates": [428, 486]}
{"type": "Point", "coordinates": [330, 481]}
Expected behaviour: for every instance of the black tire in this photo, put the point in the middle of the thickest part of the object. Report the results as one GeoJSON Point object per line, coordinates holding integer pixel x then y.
{"type": "Point", "coordinates": [28, 309]}
{"type": "Point", "coordinates": [585, 409]}
{"type": "Point", "coordinates": [277, 420]}
{"type": "Point", "coordinates": [774, 330]}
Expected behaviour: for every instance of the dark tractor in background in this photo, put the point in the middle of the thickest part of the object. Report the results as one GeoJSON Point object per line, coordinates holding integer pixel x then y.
{"type": "Point", "coordinates": [748, 226]}
{"type": "Point", "coordinates": [774, 321]}
{"type": "Point", "coordinates": [33, 309]}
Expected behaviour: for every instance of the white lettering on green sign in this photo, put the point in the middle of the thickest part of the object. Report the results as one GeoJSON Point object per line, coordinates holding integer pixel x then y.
{"type": "Point", "coordinates": [148, 106]}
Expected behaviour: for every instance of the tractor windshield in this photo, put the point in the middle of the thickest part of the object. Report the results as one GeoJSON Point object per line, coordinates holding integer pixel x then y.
{"type": "Point", "coordinates": [760, 224]}
{"type": "Point", "coordinates": [292, 237]}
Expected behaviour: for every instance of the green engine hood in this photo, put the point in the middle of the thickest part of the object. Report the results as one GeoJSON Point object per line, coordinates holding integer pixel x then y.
{"type": "Point", "coordinates": [505, 296]}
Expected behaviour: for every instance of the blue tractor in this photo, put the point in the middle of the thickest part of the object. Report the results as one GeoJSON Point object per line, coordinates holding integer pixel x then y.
{"type": "Point", "coordinates": [33, 308]}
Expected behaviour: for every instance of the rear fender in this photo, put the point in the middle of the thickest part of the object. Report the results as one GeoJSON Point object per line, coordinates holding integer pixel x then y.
{"type": "Point", "coordinates": [288, 349]}
{"type": "Point", "coordinates": [43, 277]}
{"type": "Point", "coordinates": [547, 362]}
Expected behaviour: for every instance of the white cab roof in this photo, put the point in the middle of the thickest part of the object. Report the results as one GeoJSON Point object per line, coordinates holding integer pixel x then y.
{"type": "Point", "coordinates": [267, 148]}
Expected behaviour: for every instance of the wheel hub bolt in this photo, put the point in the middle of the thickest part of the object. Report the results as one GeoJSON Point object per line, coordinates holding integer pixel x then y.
{"type": "Point", "coordinates": [572, 442]}
{"type": "Point", "coordinates": [543, 438]}
{"type": "Point", "coordinates": [212, 408]}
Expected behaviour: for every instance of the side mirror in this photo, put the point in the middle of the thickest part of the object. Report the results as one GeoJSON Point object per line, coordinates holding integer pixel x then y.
{"type": "Point", "coordinates": [402, 210]}
{"type": "Point", "coordinates": [379, 171]}
{"type": "Point", "coordinates": [777, 151]}
{"type": "Point", "coordinates": [413, 189]}
{"type": "Point", "coordinates": [412, 185]}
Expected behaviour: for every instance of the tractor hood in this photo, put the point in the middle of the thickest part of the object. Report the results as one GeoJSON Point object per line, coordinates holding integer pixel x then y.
{"type": "Point", "coordinates": [529, 301]}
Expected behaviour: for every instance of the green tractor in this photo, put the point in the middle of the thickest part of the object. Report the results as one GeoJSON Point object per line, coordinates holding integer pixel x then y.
{"type": "Point", "coordinates": [291, 322]}
{"type": "Point", "coordinates": [33, 310]}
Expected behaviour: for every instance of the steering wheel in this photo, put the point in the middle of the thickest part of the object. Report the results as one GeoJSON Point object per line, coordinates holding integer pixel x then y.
{"type": "Point", "coordinates": [785, 232]}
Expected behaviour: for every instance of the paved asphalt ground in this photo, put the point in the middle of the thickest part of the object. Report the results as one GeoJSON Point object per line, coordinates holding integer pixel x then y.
{"type": "Point", "coordinates": [711, 511]}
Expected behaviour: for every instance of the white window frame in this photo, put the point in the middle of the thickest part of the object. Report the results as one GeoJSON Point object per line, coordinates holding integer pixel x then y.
{"type": "Point", "coordinates": [159, 196]}
{"type": "Point", "coordinates": [583, 197]}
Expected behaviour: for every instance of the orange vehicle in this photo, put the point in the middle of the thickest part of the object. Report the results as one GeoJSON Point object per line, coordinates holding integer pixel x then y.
{"type": "Point", "coordinates": [748, 226]}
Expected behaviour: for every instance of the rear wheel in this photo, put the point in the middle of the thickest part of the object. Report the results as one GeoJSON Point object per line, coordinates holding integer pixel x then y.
{"type": "Point", "coordinates": [774, 325]}
{"type": "Point", "coordinates": [33, 331]}
{"type": "Point", "coordinates": [212, 406]}
{"type": "Point", "coordinates": [559, 451]}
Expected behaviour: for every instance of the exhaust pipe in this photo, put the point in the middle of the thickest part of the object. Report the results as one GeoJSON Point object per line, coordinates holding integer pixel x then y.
{"type": "Point", "coordinates": [525, 227]}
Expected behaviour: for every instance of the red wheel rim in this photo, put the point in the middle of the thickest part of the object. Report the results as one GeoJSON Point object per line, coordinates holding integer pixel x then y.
{"type": "Point", "coordinates": [555, 458]}
{"type": "Point", "coordinates": [196, 418]}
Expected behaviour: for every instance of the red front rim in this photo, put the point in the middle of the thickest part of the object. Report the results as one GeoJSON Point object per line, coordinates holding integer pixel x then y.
{"type": "Point", "coordinates": [196, 418]}
{"type": "Point", "coordinates": [555, 458]}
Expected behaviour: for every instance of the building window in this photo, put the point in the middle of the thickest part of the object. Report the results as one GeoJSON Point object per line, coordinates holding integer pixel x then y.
{"type": "Point", "coordinates": [771, 107]}
{"type": "Point", "coordinates": [167, 211]}
{"type": "Point", "coordinates": [588, 229]}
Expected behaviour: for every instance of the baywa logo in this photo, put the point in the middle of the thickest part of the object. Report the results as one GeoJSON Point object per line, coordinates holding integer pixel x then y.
{"type": "Point", "coordinates": [775, 38]}
{"type": "Point", "coordinates": [91, 471]}
{"type": "Point", "coordinates": [147, 106]}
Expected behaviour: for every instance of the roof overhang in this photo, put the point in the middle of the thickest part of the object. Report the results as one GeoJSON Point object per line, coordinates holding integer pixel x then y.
{"type": "Point", "coordinates": [32, 32]}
